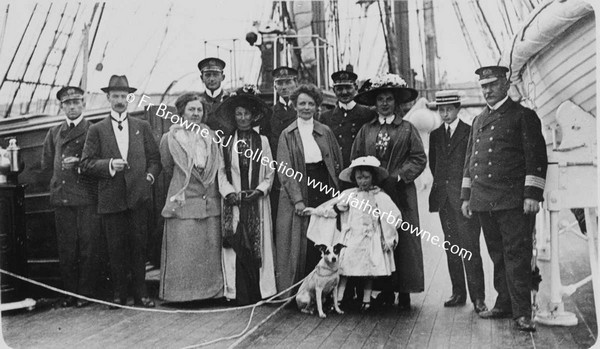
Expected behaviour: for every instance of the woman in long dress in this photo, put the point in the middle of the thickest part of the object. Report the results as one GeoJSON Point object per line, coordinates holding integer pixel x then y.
{"type": "Point", "coordinates": [191, 248]}
{"type": "Point", "coordinates": [311, 150]}
{"type": "Point", "coordinates": [244, 183]}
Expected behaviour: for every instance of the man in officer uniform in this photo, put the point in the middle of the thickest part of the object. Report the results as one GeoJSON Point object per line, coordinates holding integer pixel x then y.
{"type": "Point", "coordinates": [74, 197]}
{"type": "Point", "coordinates": [503, 183]}
{"type": "Point", "coordinates": [285, 80]}
{"type": "Point", "coordinates": [211, 70]}
{"type": "Point", "coordinates": [346, 119]}
{"type": "Point", "coordinates": [447, 148]}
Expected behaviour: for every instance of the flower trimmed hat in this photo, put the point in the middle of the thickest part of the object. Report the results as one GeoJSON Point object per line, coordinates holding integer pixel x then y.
{"type": "Point", "coordinates": [387, 82]}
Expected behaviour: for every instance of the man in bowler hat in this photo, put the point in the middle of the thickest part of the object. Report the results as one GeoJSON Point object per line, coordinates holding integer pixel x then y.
{"type": "Point", "coordinates": [503, 182]}
{"type": "Point", "coordinates": [74, 198]}
{"type": "Point", "coordinates": [447, 148]}
{"type": "Point", "coordinates": [121, 152]}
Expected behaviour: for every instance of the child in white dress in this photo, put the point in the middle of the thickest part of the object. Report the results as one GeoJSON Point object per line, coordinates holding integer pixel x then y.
{"type": "Point", "coordinates": [368, 226]}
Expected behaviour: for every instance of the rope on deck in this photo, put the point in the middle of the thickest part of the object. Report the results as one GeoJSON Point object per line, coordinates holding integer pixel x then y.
{"type": "Point", "coordinates": [270, 300]}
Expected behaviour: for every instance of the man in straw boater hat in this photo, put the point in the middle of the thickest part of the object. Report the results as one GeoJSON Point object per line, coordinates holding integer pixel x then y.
{"type": "Point", "coordinates": [397, 144]}
{"type": "Point", "coordinates": [121, 152]}
{"type": "Point", "coordinates": [346, 119]}
{"type": "Point", "coordinates": [211, 72]}
{"type": "Point", "coordinates": [248, 262]}
{"type": "Point", "coordinates": [447, 148]}
{"type": "Point", "coordinates": [74, 197]}
{"type": "Point", "coordinates": [503, 183]}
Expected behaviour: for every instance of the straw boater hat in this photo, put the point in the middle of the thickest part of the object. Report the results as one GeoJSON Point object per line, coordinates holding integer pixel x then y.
{"type": "Point", "coordinates": [369, 161]}
{"type": "Point", "coordinates": [387, 82]}
{"type": "Point", "coordinates": [491, 73]}
{"type": "Point", "coordinates": [118, 83]}
{"type": "Point", "coordinates": [246, 97]}
{"type": "Point", "coordinates": [445, 97]}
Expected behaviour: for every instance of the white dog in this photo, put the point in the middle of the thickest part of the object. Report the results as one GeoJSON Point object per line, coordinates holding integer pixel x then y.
{"type": "Point", "coordinates": [322, 281]}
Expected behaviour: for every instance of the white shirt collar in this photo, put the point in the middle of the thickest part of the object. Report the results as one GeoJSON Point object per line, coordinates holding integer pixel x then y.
{"type": "Point", "coordinates": [499, 104]}
{"type": "Point", "coordinates": [306, 123]}
{"type": "Point", "coordinates": [76, 121]}
{"type": "Point", "coordinates": [347, 106]}
{"type": "Point", "coordinates": [386, 119]}
{"type": "Point", "coordinates": [215, 93]}
{"type": "Point", "coordinates": [452, 125]}
{"type": "Point", "coordinates": [117, 117]}
{"type": "Point", "coordinates": [286, 104]}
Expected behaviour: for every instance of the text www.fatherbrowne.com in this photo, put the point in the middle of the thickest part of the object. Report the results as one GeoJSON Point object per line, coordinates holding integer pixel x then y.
{"type": "Point", "coordinates": [292, 173]}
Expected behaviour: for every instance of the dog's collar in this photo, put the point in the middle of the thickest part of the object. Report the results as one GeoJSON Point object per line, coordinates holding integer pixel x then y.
{"type": "Point", "coordinates": [320, 268]}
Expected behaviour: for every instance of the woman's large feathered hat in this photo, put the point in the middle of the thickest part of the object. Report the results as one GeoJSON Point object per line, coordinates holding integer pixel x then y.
{"type": "Point", "coordinates": [387, 82]}
{"type": "Point", "coordinates": [246, 97]}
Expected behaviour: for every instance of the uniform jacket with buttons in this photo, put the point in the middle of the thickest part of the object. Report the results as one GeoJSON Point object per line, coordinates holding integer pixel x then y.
{"type": "Point", "coordinates": [345, 124]}
{"type": "Point", "coordinates": [210, 105]}
{"type": "Point", "coordinates": [68, 187]}
{"type": "Point", "coordinates": [128, 189]}
{"type": "Point", "coordinates": [446, 161]}
{"type": "Point", "coordinates": [506, 159]}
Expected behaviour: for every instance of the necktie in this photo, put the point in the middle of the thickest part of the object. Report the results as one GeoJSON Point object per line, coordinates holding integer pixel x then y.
{"type": "Point", "coordinates": [119, 126]}
{"type": "Point", "coordinates": [448, 135]}
{"type": "Point", "coordinates": [71, 125]}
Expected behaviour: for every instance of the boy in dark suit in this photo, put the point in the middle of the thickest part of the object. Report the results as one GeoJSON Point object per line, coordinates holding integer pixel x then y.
{"type": "Point", "coordinates": [447, 148]}
{"type": "Point", "coordinates": [74, 197]}
{"type": "Point", "coordinates": [122, 153]}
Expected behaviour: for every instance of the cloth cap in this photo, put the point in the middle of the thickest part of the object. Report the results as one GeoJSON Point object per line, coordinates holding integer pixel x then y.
{"type": "Point", "coordinates": [343, 77]}
{"type": "Point", "coordinates": [69, 92]}
{"type": "Point", "coordinates": [491, 73]}
{"type": "Point", "coordinates": [211, 64]}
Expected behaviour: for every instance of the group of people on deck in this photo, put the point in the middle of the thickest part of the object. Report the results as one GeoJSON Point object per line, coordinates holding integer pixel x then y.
{"type": "Point", "coordinates": [236, 227]}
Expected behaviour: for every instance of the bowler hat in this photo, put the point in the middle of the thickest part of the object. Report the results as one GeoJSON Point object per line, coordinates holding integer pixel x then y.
{"type": "Point", "coordinates": [388, 82]}
{"type": "Point", "coordinates": [118, 83]}
{"type": "Point", "coordinates": [369, 161]}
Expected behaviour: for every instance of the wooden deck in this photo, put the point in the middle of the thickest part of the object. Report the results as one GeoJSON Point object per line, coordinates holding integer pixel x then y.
{"type": "Point", "coordinates": [428, 325]}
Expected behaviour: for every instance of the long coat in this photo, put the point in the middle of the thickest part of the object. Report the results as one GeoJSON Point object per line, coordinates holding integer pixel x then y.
{"type": "Point", "coordinates": [407, 159]}
{"type": "Point", "coordinates": [128, 189]}
{"type": "Point", "coordinates": [266, 176]}
{"type": "Point", "coordinates": [506, 159]}
{"type": "Point", "coordinates": [447, 165]}
{"type": "Point", "coordinates": [68, 187]}
{"type": "Point", "coordinates": [291, 228]}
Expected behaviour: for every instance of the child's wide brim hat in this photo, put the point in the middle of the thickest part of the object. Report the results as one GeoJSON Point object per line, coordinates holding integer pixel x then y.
{"type": "Point", "coordinates": [369, 161]}
{"type": "Point", "coordinates": [388, 82]}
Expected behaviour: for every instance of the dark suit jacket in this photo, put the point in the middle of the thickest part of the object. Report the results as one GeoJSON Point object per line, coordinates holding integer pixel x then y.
{"type": "Point", "coordinates": [446, 164]}
{"type": "Point", "coordinates": [506, 159]}
{"type": "Point", "coordinates": [67, 187]}
{"type": "Point", "coordinates": [128, 189]}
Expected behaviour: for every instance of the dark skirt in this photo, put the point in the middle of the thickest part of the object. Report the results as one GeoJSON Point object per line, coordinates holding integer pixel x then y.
{"type": "Point", "coordinates": [318, 172]}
